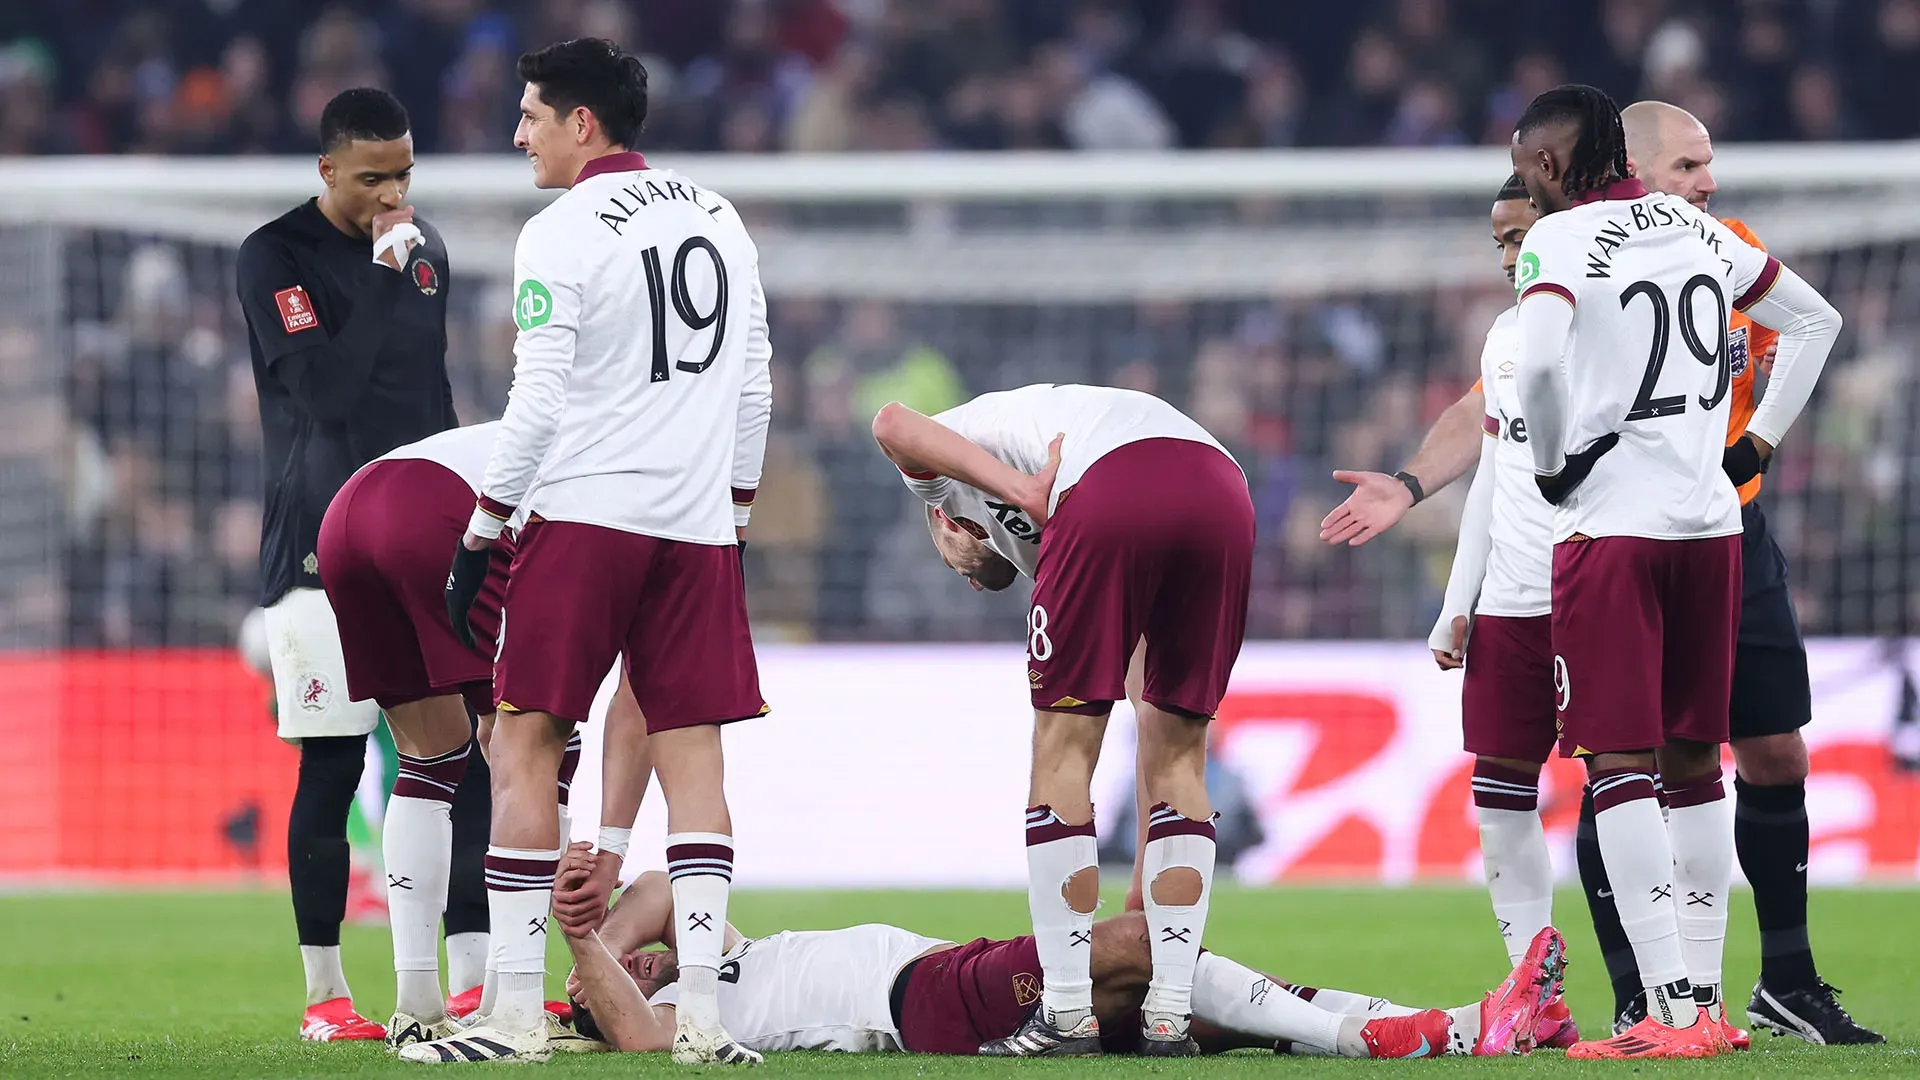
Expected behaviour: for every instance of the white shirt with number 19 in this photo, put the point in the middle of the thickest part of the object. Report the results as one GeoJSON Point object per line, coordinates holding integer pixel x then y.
{"type": "Point", "coordinates": [641, 389]}
{"type": "Point", "coordinates": [1623, 311]}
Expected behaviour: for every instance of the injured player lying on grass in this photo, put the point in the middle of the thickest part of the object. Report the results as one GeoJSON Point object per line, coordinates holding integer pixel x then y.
{"type": "Point", "coordinates": [877, 988]}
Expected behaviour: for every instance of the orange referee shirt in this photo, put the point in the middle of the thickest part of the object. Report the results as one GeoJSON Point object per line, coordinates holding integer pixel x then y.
{"type": "Point", "coordinates": [1745, 339]}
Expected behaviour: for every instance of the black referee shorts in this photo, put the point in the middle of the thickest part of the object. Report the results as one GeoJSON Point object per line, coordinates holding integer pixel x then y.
{"type": "Point", "coordinates": [1771, 692]}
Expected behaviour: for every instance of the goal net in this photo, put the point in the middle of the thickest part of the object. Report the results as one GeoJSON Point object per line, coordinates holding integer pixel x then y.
{"type": "Point", "coordinates": [1313, 310]}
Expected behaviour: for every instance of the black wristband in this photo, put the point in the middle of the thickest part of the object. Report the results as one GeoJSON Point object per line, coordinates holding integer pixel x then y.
{"type": "Point", "coordinates": [1413, 485]}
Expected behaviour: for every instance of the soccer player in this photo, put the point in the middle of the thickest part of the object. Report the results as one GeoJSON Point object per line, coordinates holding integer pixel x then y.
{"type": "Point", "coordinates": [345, 299]}
{"type": "Point", "coordinates": [1133, 523]}
{"type": "Point", "coordinates": [1498, 598]}
{"type": "Point", "coordinates": [877, 989]}
{"type": "Point", "coordinates": [640, 400]}
{"type": "Point", "coordinates": [1646, 558]}
{"type": "Point", "coordinates": [1669, 150]}
{"type": "Point", "coordinates": [382, 549]}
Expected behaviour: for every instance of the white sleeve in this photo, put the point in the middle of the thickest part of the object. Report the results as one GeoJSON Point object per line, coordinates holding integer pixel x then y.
{"type": "Point", "coordinates": [546, 308]}
{"type": "Point", "coordinates": [1808, 325]}
{"type": "Point", "coordinates": [1470, 553]}
{"type": "Point", "coordinates": [1547, 277]}
{"type": "Point", "coordinates": [756, 408]}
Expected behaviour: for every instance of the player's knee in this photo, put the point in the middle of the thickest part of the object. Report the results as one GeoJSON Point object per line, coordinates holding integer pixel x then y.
{"type": "Point", "coordinates": [1772, 760]}
{"type": "Point", "coordinates": [1177, 886]}
{"type": "Point", "coordinates": [1688, 762]}
{"type": "Point", "coordinates": [1081, 891]}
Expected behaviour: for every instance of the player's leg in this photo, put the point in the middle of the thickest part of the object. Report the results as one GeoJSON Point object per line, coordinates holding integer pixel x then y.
{"type": "Point", "coordinates": [522, 858]}
{"type": "Point", "coordinates": [1177, 863]}
{"type": "Point", "coordinates": [1772, 701]}
{"type": "Point", "coordinates": [1701, 609]}
{"type": "Point", "coordinates": [1508, 721]}
{"type": "Point", "coordinates": [466, 917]}
{"type": "Point", "coordinates": [1202, 562]}
{"type": "Point", "coordinates": [432, 737]}
{"type": "Point", "coordinates": [1607, 638]}
{"type": "Point", "coordinates": [314, 710]}
{"type": "Point", "coordinates": [1616, 952]}
{"type": "Point", "coordinates": [690, 664]}
{"type": "Point", "coordinates": [1063, 883]}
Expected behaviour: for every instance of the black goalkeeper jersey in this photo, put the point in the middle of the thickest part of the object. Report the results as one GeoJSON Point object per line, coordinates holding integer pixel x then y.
{"type": "Point", "coordinates": [350, 361]}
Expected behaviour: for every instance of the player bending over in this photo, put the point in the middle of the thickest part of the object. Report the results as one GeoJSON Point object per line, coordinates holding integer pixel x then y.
{"type": "Point", "coordinates": [1133, 523]}
{"type": "Point", "coordinates": [1646, 562]}
{"type": "Point", "coordinates": [382, 553]}
{"type": "Point", "coordinates": [877, 988]}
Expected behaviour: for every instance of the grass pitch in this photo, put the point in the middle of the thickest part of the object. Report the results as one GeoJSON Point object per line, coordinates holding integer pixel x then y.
{"type": "Point", "coordinates": [208, 984]}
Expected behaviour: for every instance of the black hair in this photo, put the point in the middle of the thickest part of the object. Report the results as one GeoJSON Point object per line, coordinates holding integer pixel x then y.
{"type": "Point", "coordinates": [364, 112]}
{"type": "Point", "coordinates": [1514, 188]}
{"type": "Point", "coordinates": [608, 81]}
{"type": "Point", "coordinates": [1600, 152]}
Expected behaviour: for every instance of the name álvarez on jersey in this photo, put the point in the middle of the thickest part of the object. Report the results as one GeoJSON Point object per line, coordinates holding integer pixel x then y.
{"type": "Point", "coordinates": [1651, 282]}
{"type": "Point", "coordinates": [814, 989]}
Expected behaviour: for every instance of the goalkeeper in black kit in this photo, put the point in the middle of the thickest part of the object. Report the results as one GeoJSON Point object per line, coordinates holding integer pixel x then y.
{"type": "Point", "coordinates": [345, 299]}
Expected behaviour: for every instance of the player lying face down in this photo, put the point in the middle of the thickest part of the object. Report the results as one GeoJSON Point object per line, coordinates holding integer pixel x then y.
{"type": "Point", "coordinates": [877, 988]}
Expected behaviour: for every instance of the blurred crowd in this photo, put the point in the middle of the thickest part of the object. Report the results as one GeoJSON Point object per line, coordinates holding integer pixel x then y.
{"type": "Point", "coordinates": [250, 76]}
{"type": "Point", "coordinates": [130, 479]}
{"type": "Point", "coordinates": [140, 458]}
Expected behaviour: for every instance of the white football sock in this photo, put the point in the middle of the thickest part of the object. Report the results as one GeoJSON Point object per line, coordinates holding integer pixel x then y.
{"type": "Point", "coordinates": [326, 979]}
{"type": "Point", "coordinates": [1700, 823]}
{"type": "Point", "coordinates": [1235, 997]}
{"type": "Point", "coordinates": [1639, 860]}
{"type": "Point", "coordinates": [1062, 936]}
{"type": "Point", "coordinates": [700, 869]}
{"type": "Point", "coordinates": [1519, 870]}
{"type": "Point", "coordinates": [416, 844]}
{"type": "Point", "coordinates": [466, 962]}
{"type": "Point", "coordinates": [1174, 931]}
{"type": "Point", "coordinates": [1351, 1004]}
{"type": "Point", "coordinates": [489, 983]}
{"type": "Point", "coordinates": [519, 905]}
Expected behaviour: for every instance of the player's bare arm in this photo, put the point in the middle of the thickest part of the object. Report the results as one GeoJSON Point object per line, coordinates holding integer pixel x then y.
{"type": "Point", "coordinates": [626, 770]}
{"type": "Point", "coordinates": [619, 1009]}
{"type": "Point", "coordinates": [919, 444]}
{"type": "Point", "coordinates": [1380, 500]}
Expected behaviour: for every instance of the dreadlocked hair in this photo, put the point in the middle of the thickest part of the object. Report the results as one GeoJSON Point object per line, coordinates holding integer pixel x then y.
{"type": "Point", "coordinates": [1514, 188]}
{"type": "Point", "coordinates": [1600, 154]}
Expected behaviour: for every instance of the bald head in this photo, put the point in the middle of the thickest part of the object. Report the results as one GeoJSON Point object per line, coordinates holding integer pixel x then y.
{"type": "Point", "coordinates": [1669, 150]}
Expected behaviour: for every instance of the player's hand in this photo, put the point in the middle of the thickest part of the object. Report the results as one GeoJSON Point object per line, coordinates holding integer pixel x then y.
{"type": "Point", "coordinates": [1763, 360]}
{"type": "Point", "coordinates": [464, 579]}
{"type": "Point", "coordinates": [1457, 656]}
{"type": "Point", "coordinates": [394, 258]}
{"type": "Point", "coordinates": [1040, 489]}
{"type": "Point", "coordinates": [1557, 487]}
{"type": "Point", "coordinates": [1744, 460]}
{"type": "Point", "coordinates": [580, 897]}
{"type": "Point", "coordinates": [1377, 504]}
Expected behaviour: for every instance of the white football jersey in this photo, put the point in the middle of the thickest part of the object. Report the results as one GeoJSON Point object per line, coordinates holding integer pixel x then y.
{"type": "Point", "coordinates": [813, 989]}
{"type": "Point", "coordinates": [641, 391]}
{"type": "Point", "coordinates": [462, 451]}
{"type": "Point", "coordinates": [1519, 579]}
{"type": "Point", "coordinates": [1017, 426]}
{"type": "Point", "coordinates": [1651, 281]}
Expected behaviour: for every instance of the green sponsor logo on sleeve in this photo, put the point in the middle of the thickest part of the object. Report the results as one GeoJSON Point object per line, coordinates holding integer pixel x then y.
{"type": "Point", "coordinates": [533, 306]}
{"type": "Point", "coordinates": [1527, 271]}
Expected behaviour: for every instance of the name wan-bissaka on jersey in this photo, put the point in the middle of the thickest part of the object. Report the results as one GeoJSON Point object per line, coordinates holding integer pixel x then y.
{"type": "Point", "coordinates": [1651, 215]}
{"type": "Point", "coordinates": [674, 189]}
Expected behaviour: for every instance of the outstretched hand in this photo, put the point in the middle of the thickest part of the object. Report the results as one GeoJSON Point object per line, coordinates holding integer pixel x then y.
{"type": "Point", "coordinates": [1377, 504]}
